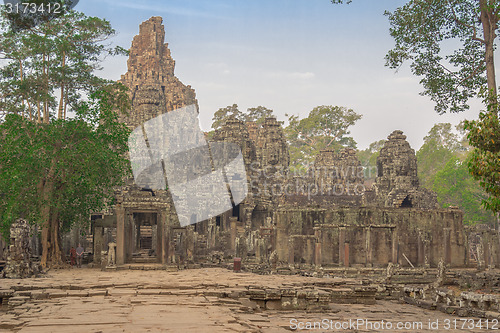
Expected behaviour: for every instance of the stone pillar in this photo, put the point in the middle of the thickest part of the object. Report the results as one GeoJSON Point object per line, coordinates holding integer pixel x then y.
{"type": "Point", "coordinates": [232, 221]}
{"type": "Point", "coordinates": [395, 245]}
{"type": "Point", "coordinates": [120, 235]}
{"type": "Point", "coordinates": [480, 255]}
{"type": "Point", "coordinates": [346, 254]}
{"type": "Point", "coordinates": [98, 244]}
{"type": "Point", "coordinates": [291, 251]}
{"type": "Point", "coordinates": [369, 250]}
{"type": "Point", "coordinates": [341, 245]}
{"type": "Point", "coordinates": [164, 237]}
{"type": "Point", "coordinates": [19, 265]}
{"type": "Point", "coordinates": [420, 250]}
{"type": "Point", "coordinates": [317, 250]}
{"type": "Point", "coordinates": [427, 253]}
{"type": "Point", "coordinates": [447, 245]}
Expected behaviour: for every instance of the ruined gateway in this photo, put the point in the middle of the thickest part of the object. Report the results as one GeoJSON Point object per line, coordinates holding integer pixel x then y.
{"type": "Point", "coordinates": [324, 218]}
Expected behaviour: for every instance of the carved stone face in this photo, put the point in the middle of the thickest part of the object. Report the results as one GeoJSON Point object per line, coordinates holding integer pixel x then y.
{"type": "Point", "coordinates": [147, 95]}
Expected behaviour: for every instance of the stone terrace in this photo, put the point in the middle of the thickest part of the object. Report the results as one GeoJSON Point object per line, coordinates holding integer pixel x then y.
{"type": "Point", "coordinates": [201, 300]}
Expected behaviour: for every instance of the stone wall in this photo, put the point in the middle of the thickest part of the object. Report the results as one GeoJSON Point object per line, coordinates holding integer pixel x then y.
{"type": "Point", "coordinates": [371, 236]}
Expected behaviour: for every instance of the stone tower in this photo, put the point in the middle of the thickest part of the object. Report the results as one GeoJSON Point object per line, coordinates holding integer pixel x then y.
{"type": "Point", "coordinates": [272, 148]}
{"type": "Point", "coordinates": [397, 182]}
{"type": "Point", "coordinates": [235, 131]}
{"type": "Point", "coordinates": [153, 87]}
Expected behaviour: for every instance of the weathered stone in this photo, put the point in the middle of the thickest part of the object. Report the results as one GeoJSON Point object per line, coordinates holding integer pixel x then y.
{"type": "Point", "coordinates": [154, 89]}
{"type": "Point", "coordinates": [324, 217]}
{"type": "Point", "coordinates": [397, 183]}
{"type": "Point", "coordinates": [19, 264]}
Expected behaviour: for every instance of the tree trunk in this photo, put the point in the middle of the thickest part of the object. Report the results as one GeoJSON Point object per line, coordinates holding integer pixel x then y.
{"type": "Point", "coordinates": [46, 223]}
{"type": "Point", "coordinates": [51, 250]}
{"type": "Point", "coordinates": [46, 86]}
{"type": "Point", "coordinates": [61, 100]}
{"type": "Point", "coordinates": [489, 22]}
{"type": "Point", "coordinates": [38, 113]}
{"type": "Point", "coordinates": [52, 255]}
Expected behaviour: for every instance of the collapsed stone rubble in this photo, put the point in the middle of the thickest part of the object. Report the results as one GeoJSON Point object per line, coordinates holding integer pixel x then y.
{"type": "Point", "coordinates": [19, 264]}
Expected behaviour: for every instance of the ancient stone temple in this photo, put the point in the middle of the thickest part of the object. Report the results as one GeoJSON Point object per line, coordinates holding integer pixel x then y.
{"type": "Point", "coordinates": [324, 217]}
{"type": "Point", "coordinates": [19, 264]}
{"type": "Point", "coordinates": [396, 222]}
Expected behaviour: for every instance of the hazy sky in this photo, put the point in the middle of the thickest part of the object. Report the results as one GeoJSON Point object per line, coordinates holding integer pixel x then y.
{"type": "Point", "coordinates": [287, 55]}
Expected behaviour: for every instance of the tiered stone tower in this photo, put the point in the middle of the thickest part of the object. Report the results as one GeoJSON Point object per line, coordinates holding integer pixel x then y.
{"type": "Point", "coordinates": [397, 183]}
{"type": "Point", "coordinates": [154, 89]}
{"type": "Point", "coordinates": [272, 149]}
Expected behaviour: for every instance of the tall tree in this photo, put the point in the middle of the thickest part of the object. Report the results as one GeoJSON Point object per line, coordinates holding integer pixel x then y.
{"type": "Point", "coordinates": [55, 170]}
{"type": "Point", "coordinates": [258, 114]}
{"type": "Point", "coordinates": [455, 186]}
{"type": "Point", "coordinates": [221, 115]}
{"type": "Point", "coordinates": [51, 66]}
{"type": "Point", "coordinates": [326, 127]}
{"type": "Point", "coordinates": [56, 174]}
{"type": "Point", "coordinates": [368, 159]}
{"type": "Point", "coordinates": [451, 77]}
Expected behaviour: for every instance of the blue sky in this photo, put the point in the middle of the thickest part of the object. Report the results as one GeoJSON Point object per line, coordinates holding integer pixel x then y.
{"type": "Point", "coordinates": [287, 55]}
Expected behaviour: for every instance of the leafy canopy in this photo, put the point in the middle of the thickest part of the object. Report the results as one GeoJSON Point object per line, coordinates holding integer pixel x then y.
{"type": "Point", "coordinates": [50, 68]}
{"type": "Point", "coordinates": [326, 127]}
{"type": "Point", "coordinates": [83, 158]}
{"type": "Point", "coordinates": [257, 114]}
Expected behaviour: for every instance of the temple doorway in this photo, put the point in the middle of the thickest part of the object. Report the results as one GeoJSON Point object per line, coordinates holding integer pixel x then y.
{"type": "Point", "coordinates": [145, 236]}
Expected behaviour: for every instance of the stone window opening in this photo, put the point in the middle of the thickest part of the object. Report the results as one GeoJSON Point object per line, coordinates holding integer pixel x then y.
{"type": "Point", "coordinates": [406, 203]}
{"type": "Point", "coordinates": [144, 189]}
{"type": "Point", "coordinates": [236, 211]}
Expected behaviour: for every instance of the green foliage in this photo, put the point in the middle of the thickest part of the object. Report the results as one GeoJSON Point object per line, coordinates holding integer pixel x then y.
{"type": "Point", "coordinates": [421, 28]}
{"type": "Point", "coordinates": [368, 159]}
{"type": "Point", "coordinates": [326, 127]}
{"type": "Point", "coordinates": [455, 187]}
{"type": "Point", "coordinates": [439, 147]}
{"type": "Point", "coordinates": [443, 167]}
{"type": "Point", "coordinates": [484, 164]}
{"type": "Point", "coordinates": [222, 114]}
{"type": "Point", "coordinates": [83, 158]}
{"type": "Point", "coordinates": [51, 67]}
{"type": "Point", "coordinates": [257, 114]}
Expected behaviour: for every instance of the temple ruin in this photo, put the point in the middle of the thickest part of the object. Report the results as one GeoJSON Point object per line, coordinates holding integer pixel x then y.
{"type": "Point", "coordinates": [323, 217]}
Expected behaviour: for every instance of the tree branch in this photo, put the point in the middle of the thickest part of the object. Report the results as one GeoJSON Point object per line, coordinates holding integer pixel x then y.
{"type": "Point", "coordinates": [473, 27]}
